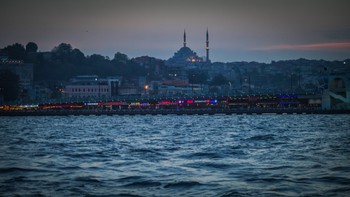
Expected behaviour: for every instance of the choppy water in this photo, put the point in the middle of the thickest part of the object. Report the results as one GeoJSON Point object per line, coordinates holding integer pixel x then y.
{"type": "Point", "coordinates": [238, 155]}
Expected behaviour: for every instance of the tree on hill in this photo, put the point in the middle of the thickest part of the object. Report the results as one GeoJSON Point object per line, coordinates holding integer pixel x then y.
{"type": "Point", "coordinates": [31, 47]}
{"type": "Point", "coordinates": [96, 59]}
{"type": "Point", "coordinates": [15, 51]}
{"type": "Point", "coordinates": [62, 48]}
{"type": "Point", "coordinates": [77, 57]}
{"type": "Point", "coordinates": [62, 52]}
{"type": "Point", "coordinates": [120, 57]}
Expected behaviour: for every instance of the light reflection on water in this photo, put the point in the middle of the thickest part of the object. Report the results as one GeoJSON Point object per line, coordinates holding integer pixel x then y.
{"type": "Point", "coordinates": [239, 155]}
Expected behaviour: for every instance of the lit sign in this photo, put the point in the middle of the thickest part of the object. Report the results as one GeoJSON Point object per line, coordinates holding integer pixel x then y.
{"type": "Point", "coordinates": [114, 103]}
{"type": "Point", "coordinates": [213, 101]}
{"type": "Point", "coordinates": [201, 101]}
{"type": "Point", "coordinates": [91, 104]}
{"type": "Point", "coordinates": [167, 103]}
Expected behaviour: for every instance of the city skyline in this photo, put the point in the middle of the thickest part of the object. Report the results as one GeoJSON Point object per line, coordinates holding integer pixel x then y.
{"type": "Point", "coordinates": [239, 30]}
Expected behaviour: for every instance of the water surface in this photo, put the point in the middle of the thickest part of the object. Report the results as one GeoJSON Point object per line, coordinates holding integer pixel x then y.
{"type": "Point", "coordinates": [221, 155]}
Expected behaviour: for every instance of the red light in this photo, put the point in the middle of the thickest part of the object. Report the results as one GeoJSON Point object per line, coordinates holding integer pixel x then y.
{"type": "Point", "coordinates": [165, 102]}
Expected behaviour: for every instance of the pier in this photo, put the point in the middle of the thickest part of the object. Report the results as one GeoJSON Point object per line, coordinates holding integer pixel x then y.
{"type": "Point", "coordinates": [96, 112]}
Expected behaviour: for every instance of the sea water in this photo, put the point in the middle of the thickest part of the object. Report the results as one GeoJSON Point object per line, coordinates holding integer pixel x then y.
{"type": "Point", "coordinates": [219, 155]}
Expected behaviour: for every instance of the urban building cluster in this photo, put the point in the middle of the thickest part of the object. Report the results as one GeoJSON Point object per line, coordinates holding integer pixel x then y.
{"type": "Point", "coordinates": [176, 82]}
{"type": "Point", "coordinates": [187, 74]}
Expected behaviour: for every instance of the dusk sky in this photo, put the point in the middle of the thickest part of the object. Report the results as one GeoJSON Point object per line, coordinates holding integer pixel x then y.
{"type": "Point", "coordinates": [239, 30]}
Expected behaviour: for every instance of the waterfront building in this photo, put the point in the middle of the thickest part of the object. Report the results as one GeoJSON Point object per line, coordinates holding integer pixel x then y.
{"type": "Point", "coordinates": [91, 86]}
{"type": "Point", "coordinates": [129, 90]}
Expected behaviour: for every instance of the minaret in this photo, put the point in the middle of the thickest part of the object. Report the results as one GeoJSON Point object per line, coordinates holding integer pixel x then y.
{"type": "Point", "coordinates": [207, 46]}
{"type": "Point", "coordinates": [184, 38]}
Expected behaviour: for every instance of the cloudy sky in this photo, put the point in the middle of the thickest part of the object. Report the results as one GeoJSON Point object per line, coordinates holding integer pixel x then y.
{"type": "Point", "coordinates": [239, 30]}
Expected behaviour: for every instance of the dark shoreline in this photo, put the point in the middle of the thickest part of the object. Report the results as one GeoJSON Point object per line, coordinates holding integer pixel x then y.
{"type": "Point", "coordinates": [169, 111]}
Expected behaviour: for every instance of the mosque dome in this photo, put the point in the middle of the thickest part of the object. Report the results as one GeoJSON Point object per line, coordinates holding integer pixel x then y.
{"type": "Point", "coordinates": [185, 55]}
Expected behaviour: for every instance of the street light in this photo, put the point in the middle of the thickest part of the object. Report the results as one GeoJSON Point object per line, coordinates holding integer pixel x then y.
{"type": "Point", "coordinates": [146, 89]}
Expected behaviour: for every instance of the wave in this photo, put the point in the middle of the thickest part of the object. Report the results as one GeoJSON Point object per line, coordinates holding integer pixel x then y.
{"type": "Point", "coordinates": [143, 184]}
{"type": "Point", "coordinates": [282, 167]}
{"type": "Point", "coordinates": [201, 165]}
{"type": "Point", "coordinates": [130, 178]}
{"type": "Point", "coordinates": [183, 184]}
{"type": "Point", "coordinates": [268, 137]}
{"type": "Point", "coordinates": [235, 193]}
{"type": "Point", "coordinates": [87, 179]}
{"type": "Point", "coordinates": [18, 169]}
{"type": "Point", "coordinates": [15, 179]}
{"type": "Point", "coordinates": [126, 195]}
{"type": "Point", "coordinates": [201, 155]}
{"type": "Point", "coordinates": [341, 169]}
{"type": "Point", "coordinates": [334, 179]}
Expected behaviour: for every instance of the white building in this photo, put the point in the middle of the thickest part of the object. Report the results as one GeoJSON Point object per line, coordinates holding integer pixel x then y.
{"type": "Point", "coordinates": [91, 86]}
